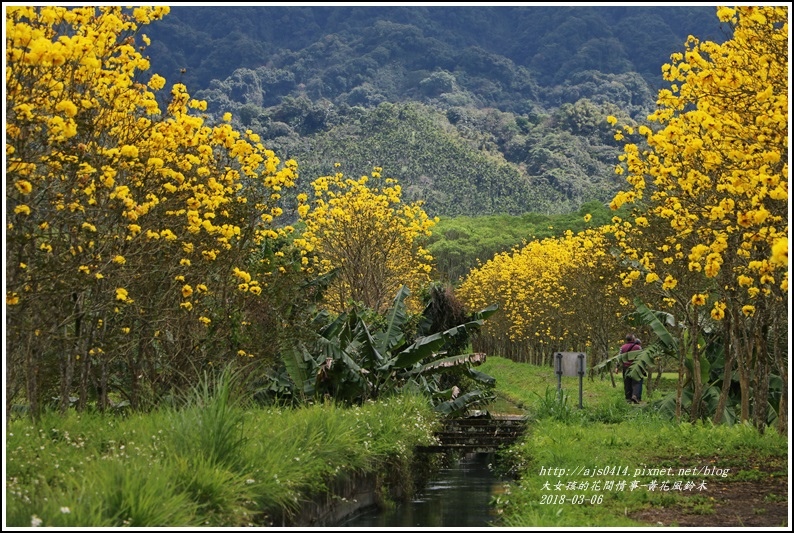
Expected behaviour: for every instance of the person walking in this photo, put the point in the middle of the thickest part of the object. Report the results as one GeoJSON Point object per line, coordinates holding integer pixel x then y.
{"type": "Point", "coordinates": [632, 388]}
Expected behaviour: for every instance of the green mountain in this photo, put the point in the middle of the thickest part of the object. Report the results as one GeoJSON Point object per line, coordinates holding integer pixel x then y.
{"type": "Point", "coordinates": [476, 110]}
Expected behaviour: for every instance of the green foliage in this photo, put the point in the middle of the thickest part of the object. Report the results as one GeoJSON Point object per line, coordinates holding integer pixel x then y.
{"type": "Point", "coordinates": [335, 49]}
{"type": "Point", "coordinates": [209, 427]}
{"type": "Point", "coordinates": [93, 470]}
{"type": "Point", "coordinates": [664, 352]}
{"type": "Point", "coordinates": [664, 346]}
{"type": "Point", "coordinates": [133, 494]}
{"type": "Point", "coordinates": [220, 494]}
{"type": "Point", "coordinates": [459, 244]}
{"type": "Point", "coordinates": [354, 359]}
{"type": "Point", "coordinates": [609, 433]}
{"type": "Point", "coordinates": [510, 144]}
{"type": "Point", "coordinates": [554, 404]}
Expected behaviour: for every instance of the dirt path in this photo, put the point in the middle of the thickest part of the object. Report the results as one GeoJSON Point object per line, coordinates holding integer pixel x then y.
{"type": "Point", "coordinates": [728, 504]}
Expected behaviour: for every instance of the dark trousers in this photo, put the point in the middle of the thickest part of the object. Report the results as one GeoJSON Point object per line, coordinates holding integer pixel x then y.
{"type": "Point", "coordinates": [631, 387]}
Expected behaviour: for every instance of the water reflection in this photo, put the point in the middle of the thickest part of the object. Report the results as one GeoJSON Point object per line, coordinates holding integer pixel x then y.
{"type": "Point", "coordinates": [458, 496]}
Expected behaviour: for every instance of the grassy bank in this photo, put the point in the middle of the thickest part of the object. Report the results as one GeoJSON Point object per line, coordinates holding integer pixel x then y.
{"type": "Point", "coordinates": [213, 462]}
{"type": "Point", "coordinates": [210, 463]}
{"type": "Point", "coordinates": [606, 462]}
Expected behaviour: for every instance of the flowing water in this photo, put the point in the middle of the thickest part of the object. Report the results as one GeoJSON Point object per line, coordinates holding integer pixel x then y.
{"type": "Point", "coordinates": [457, 496]}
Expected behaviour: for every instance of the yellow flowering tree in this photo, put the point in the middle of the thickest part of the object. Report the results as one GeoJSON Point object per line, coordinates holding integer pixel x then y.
{"type": "Point", "coordinates": [710, 228]}
{"type": "Point", "coordinates": [130, 229]}
{"type": "Point", "coordinates": [362, 230]}
{"type": "Point", "coordinates": [556, 294]}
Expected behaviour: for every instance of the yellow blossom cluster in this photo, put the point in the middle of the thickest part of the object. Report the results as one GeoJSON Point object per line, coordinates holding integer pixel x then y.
{"type": "Point", "coordinates": [362, 229]}
{"type": "Point", "coordinates": [123, 213]}
{"type": "Point", "coordinates": [713, 182]}
{"type": "Point", "coordinates": [556, 292]}
{"type": "Point", "coordinates": [710, 199]}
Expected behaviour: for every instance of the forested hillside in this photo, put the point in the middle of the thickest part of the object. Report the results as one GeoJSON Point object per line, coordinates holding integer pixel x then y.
{"type": "Point", "coordinates": [475, 110]}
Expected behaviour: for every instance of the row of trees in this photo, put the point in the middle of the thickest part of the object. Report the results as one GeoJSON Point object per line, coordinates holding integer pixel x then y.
{"type": "Point", "coordinates": [712, 191]}
{"type": "Point", "coordinates": [460, 244]}
{"type": "Point", "coordinates": [146, 246]}
{"type": "Point", "coordinates": [556, 294]}
{"type": "Point", "coordinates": [707, 238]}
{"type": "Point", "coordinates": [130, 231]}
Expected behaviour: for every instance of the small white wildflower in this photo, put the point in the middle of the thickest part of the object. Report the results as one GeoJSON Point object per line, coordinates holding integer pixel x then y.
{"type": "Point", "coordinates": [250, 481]}
{"type": "Point", "coordinates": [35, 521]}
{"type": "Point", "coordinates": [65, 510]}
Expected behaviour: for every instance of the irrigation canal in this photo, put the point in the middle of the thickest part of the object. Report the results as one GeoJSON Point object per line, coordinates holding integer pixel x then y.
{"type": "Point", "coordinates": [459, 495]}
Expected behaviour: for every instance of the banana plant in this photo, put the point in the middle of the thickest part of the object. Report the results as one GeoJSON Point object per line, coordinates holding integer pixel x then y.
{"type": "Point", "coordinates": [664, 345]}
{"type": "Point", "coordinates": [667, 345]}
{"type": "Point", "coordinates": [352, 361]}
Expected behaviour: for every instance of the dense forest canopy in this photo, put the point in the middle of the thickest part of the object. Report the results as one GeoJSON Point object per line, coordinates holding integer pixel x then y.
{"type": "Point", "coordinates": [477, 110]}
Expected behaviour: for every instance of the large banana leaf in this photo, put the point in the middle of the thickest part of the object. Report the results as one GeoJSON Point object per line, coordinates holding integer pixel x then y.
{"type": "Point", "coordinates": [425, 346]}
{"type": "Point", "coordinates": [710, 400]}
{"type": "Point", "coordinates": [644, 359]}
{"type": "Point", "coordinates": [443, 363]}
{"type": "Point", "coordinates": [459, 405]}
{"type": "Point", "coordinates": [664, 345]}
{"type": "Point", "coordinates": [351, 360]}
{"type": "Point", "coordinates": [368, 346]}
{"type": "Point", "coordinates": [332, 329]}
{"type": "Point", "coordinates": [420, 349]}
{"type": "Point", "coordinates": [392, 334]}
{"type": "Point", "coordinates": [658, 321]}
{"type": "Point", "coordinates": [482, 377]}
{"type": "Point", "coordinates": [464, 361]}
{"type": "Point", "coordinates": [299, 365]}
{"type": "Point", "coordinates": [486, 312]}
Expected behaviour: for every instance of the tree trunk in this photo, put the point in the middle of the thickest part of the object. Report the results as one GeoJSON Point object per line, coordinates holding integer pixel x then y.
{"type": "Point", "coordinates": [31, 383]}
{"type": "Point", "coordinates": [743, 356]}
{"type": "Point", "coordinates": [66, 372]}
{"type": "Point", "coordinates": [782, 411]}
{"type": "Point", "coordinates": [103, 385]}
{"type": "Point", "coordinates": [761, 403]}
{"type": "Point", "coordinates": [659, 376]}
{"type": "Point", "coordinates": [85, 372]}
{"type": "Point", "coordinates": [727, 378]}
{"type": "Point", "coordinates": [679, 390]}
{"type": "Point", "coordinates": [697, 384]}
{"type": "Point", "coordinates": [132, 368]}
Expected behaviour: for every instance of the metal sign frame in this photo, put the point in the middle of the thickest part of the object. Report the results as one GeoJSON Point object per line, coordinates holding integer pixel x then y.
{"type": "Point", "coordinates": [577, 360]}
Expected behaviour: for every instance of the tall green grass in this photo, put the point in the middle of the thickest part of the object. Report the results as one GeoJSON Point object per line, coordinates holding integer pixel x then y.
{"type": "Point", "coordinates": [208, 462]}
{"type": "Point", "coordinates": [563, 441]}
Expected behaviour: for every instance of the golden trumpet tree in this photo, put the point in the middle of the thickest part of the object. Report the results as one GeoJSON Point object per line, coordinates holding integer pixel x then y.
{"type": "Point", "coordinates": [129, 229]}
{"type": "Point", "coordinates": [710, 228]}
{"type": "Point", "coordinates": [372, 239]}
{"type": "Point", "coordinates": [557, 294]}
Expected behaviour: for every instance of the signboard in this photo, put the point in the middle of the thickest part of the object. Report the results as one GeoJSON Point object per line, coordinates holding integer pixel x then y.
{"type": "Point", "coordinates": [570, 363]}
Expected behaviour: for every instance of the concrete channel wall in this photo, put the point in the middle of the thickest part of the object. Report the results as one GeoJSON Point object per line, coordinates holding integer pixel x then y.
{"type": "Point", "coordinates": [348, 496]}
{"type": "Point", "coordinates": [343, 499]}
